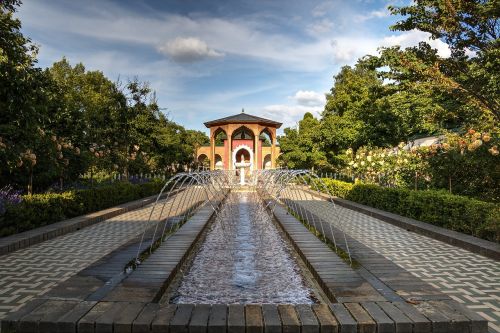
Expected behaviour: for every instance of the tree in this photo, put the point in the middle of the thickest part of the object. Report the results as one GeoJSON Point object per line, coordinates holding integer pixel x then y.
{"type": "Point", "coordinates": [472, 31]}
{"type": "Point", "coordinates": [420, 105]}
{"type": "Point", "coordinates": [467, 165]}
{"type": "Point", "coordinates": [88, 114]}
{"type": "Point", "coordinates": [23, 101]}
{"type": "Point", "coordinates": [194, 140]}
{"type": "Point", "coordinates": [353, 91]}
{"type": "Point", "coordinates": [360, 111]}
{"type": "Point", "coordinates": [60, 123]}
{"type": "Point", "coordinates": [463, 24]}
{"type": "Point", "coordinates": [300, 146]}
{"type": "Point", "coordinates": [170, 145]}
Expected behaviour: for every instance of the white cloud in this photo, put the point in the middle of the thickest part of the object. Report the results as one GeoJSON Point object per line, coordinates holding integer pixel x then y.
{"type": "Point", "coordinates": [321, 27]}
{"type": "Point", "coordinates": [309, 98]}
{"type": "Point", "coordinates": [189, 49]}
{"type": "Point", "coordinates": [345, 50]}
{"type": "Point", "coordinates": [380, 13]}
{"type": "Point", "coordinates": [289, 115]}
{"type": "Point", "coordinates": [348, 49]}
{"type": "Point", "coordinates": [413, 37]}
{"type": "Point", "coordinates": [323, 8]}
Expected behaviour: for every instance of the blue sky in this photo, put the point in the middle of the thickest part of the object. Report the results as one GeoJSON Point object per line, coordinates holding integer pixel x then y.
{"type": "Point", "coordinates": [207, 59]}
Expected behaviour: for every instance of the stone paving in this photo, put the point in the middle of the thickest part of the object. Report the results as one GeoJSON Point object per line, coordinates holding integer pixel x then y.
{"type": "Point", "coordinates": [33, 271]}
{"type": "Point", "coordinates": [468, 278]}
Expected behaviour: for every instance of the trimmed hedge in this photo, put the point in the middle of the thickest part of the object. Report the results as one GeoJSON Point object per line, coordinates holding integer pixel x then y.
{"type": "Point", "coordinates": [42, 209]}
{"type": "Point", "coordinates": [454, 212]}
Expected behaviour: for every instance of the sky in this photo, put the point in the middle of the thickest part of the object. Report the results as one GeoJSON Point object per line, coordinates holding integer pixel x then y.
{"type": "Point", "coordinates": [208, 59]}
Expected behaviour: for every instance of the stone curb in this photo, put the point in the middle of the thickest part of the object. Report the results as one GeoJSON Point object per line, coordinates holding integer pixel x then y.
{"type": "Point", "coordinates": [148, 281]}
{"type": "Point", "coordinates": [467, 242]}
{"type": "Point", "coordinates": [136, 317]}
{"type": "Point", "coordinates": [29, 238]}
{"type": "Point", "coordinates": [329, 270]}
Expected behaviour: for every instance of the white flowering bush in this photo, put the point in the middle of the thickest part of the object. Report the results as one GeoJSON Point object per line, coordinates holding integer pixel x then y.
{"type": "Point", "coordinates": [389, 167]}
{"type": "Point", "coordinates": [467, 164]}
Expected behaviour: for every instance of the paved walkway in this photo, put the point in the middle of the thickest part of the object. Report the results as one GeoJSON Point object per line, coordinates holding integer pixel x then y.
{"type": "Point", "coordinates": [467, 277]}
{"type": "Point", "coordinates": [29, 272]}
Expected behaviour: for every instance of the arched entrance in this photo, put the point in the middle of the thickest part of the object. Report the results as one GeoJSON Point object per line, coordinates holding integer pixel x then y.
{"type": "Point", "coordinates": [203, 161]}
{"type": "Point", "coordinates": [219, 164]}
{"type": "Point", "coordinates": [266, 138]}
{"type": "Point", "coordinates": [245, 152]}
{"type": "Point", "coordinates": [243, 133]}
{"type": "Point", "coordinates": [243, 156]}
{"type": "Point", "coordinates": [243, 161]}
{"type": "Point", "coordinates": [266, 163]}
{"type": "Point", "coordinates": [219, 137]}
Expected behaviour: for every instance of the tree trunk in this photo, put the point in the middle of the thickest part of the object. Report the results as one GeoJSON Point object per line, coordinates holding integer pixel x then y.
{"type": "Point", "coordinates": [125, 171]}
{"type": "Point", "coordinates": [30, 183]}
{"type": "Point", "coordinates": [449, 183]}
{"type": "Point", "coordinates": [61, 181]}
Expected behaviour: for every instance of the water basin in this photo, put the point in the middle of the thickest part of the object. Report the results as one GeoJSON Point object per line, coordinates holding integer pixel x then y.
{"type": "Point", "coordinates": [243, 259]}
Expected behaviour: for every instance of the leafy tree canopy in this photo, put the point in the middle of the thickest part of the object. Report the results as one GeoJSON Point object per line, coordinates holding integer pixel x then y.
{"type": "Point", "coordinates": [65, 121]}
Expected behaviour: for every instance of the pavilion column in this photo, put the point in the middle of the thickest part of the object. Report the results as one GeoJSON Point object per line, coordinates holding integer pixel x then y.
{"type": "Point", "coordinates": [256, 155]}
{"type": "Point", "coordinates": [230, 151]}
{"type": "Point", "coordinates": [273, 152]}
{"type": "Point", "coordinates": [212, 153]}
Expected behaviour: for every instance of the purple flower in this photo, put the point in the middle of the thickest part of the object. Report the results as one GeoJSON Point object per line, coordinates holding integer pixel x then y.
{"type": "Point", "coordinates": [9, 197]}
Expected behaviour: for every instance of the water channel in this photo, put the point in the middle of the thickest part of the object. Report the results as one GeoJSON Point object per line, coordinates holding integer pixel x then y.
{"type": "Point", "coordinates": [243, 259]}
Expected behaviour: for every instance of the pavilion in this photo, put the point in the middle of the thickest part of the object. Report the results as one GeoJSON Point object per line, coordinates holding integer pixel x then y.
{"type": "Point", "coordinates": [242, 141]}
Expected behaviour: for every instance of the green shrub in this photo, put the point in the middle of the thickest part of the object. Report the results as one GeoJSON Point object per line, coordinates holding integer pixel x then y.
{"type": "Point", "coordinates": [335, 187]}
{"type": "Point", "coordinates": [454, 212]}
{"type": "Point", "coordinates": [43, 209]}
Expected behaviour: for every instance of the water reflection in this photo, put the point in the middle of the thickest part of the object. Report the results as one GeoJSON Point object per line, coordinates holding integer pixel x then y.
{"type": "Point", "coordinates": [243, 259]}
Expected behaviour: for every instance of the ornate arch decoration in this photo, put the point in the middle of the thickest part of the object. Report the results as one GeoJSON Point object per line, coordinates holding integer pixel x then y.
{"type": "Point", "coordinates": [242, 132]}
{"type": "Point", "coordinates": [248, 149]}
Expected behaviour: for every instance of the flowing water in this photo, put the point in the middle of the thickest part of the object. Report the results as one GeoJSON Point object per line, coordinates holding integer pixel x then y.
{"type": "Point", "coordinates": [243, 259]}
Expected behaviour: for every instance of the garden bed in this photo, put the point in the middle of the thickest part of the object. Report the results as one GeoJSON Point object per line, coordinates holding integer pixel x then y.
{"type": "Point", "coordinates": [458, 213]}
{"type": "Point", "coordinates": [43, 209]}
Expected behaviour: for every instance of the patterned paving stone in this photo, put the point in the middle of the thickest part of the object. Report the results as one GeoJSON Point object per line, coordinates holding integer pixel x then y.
{"type": "Point", "coordinates": [33, 271]}
{"type": "Point", "coordinates": [468, 278]}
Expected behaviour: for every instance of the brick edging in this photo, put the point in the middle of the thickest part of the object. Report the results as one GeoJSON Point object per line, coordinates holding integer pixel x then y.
{"type": "Point", "coordinates": [467, 242]}
{"type": "Point", "coordinates": [51, 315]}
{"type": "Point", "coordinates": [29, 238]}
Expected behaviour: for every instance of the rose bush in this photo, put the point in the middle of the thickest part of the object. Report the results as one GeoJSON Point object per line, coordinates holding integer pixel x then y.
{"type": "Point", "coordinates": [467, 164]}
